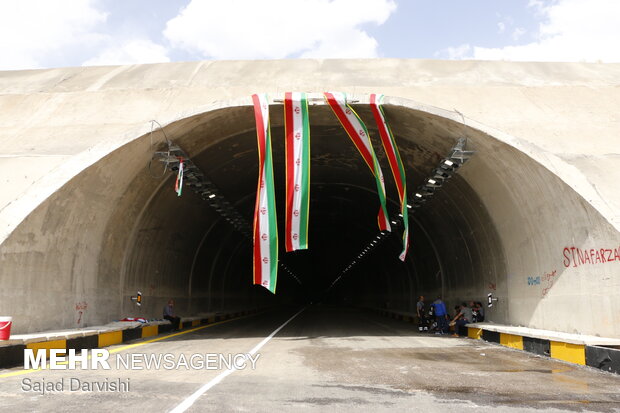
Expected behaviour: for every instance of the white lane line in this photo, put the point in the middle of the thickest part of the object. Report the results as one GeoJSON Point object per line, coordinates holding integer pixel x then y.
{"type": "Point", "coordinates": [187, 403]}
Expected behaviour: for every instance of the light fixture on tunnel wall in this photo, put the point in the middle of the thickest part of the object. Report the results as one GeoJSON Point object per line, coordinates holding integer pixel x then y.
{"type": "Point", "coordinates": [137, 299]}
{"type": "Point", "coordinates": [440, 173]}
{"type": "Point", "coordinates": [447, 167]}
{"type": "Point", "coordinates": [433, 183]}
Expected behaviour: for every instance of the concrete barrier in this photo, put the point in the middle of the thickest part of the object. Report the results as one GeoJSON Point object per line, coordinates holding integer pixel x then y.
{"type": "Point", "coordinates": [602, 353]}
{"type": "Point", "coordinates": [12, 351]}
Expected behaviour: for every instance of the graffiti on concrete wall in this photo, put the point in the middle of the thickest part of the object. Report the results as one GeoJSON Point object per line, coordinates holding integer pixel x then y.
{"type": "Point", "coordinates": [574, 257]}
{"type": "Point", "coordinates": [547, 280]}
{"type": "Point", "coordinates": [80, 308]}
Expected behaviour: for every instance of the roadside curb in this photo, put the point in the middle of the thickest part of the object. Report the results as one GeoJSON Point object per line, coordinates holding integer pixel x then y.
{"type": "Point", "coordinates": [606, 358]}
{"type": "Point", "coordinates": [12, 355]}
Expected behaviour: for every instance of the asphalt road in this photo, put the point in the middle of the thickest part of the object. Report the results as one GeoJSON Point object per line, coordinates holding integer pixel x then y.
{"type": "Point", "coordinates": [324, 359]}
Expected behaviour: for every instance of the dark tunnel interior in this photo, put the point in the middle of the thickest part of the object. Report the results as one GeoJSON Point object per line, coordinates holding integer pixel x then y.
{"type": "Point", "coordinates": [209, 264]}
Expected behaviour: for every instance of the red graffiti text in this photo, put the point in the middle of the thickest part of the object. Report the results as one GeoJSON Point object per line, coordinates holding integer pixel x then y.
{"type": "Point", "coordinates": [548, 279]}
{"type": "Point", "coordinates": [575, 257]}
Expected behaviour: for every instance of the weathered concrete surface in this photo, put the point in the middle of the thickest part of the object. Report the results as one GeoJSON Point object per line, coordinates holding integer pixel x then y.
{"type": "Point", "coordinates": [336, 360]}
{"type": "Point", "coordinates": [543, 180]}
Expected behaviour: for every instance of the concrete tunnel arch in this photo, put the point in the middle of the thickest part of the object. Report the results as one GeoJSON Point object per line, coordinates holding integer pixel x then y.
{"type": "Point", "coordinates": [503, 220]}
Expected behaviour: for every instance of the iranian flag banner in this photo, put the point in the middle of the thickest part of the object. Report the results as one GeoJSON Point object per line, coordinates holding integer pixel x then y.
{"type": "Point", "coordinates": [265, 224]}
{"type": "Point", "coordinates": [297, 133]}
{"type": "Point", "coordinates": [396, 164]}
{"type": "Point", "coordinates": [358, 133]}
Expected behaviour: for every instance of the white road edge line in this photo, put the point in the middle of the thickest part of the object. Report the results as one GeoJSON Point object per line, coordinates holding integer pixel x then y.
{"type": "Point", "coordinates": [187, 403]}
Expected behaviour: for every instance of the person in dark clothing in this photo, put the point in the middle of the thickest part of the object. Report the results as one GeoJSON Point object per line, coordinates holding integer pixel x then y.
{"type": "Point", "coordinates": [480, 312]}
{"type": "Point", "coordinates": [474, 312]}
{"type": "Point", "coordinates": [441, 313]}
{"type": "Point", "coordinates": [431, 318]}
{"type": "Point", "coordinates": [169, 315]}
{"type": "Point", "coordinates": [422, 321]}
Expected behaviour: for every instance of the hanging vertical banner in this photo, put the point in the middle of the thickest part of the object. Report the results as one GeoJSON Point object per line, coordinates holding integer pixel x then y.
{"type": "Point", "coordinates": [396, 164]}
{"type": "Point", "coordinates": [297, 133]}
{"type": "Point", "coordinates": [358, 133]}
{"type": "Point", "coordinates": [265, 224]}
{"type": "Point", "coordinates": [178, 184]}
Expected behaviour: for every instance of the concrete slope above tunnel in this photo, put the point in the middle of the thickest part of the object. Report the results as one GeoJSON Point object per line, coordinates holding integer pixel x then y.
{"type": "Point", "coordinates": [501, 225]}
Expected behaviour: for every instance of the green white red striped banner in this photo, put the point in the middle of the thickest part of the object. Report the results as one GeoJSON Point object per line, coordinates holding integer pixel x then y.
{"type": "Point", "coordinates": [265, 223]}
{"type": "Point", "coordinates": [297, 133]}
{"type": "Point", "coordinates": [178, 184]}
{"type": "Point", "coordinates": [396, 164]}
{"type": "Point", "coordinates": [358, 133]}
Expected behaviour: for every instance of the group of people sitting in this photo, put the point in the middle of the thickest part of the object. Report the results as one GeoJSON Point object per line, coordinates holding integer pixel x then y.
{"type": "Point", "coordinates": [437, 319]}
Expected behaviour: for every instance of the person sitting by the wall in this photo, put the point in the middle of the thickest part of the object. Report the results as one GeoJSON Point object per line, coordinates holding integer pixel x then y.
{"type": "Point", "coordinates": [169, 315]}
{"type": "Point", "coordinates": [431, 318]}
{"type": "Point", "coordinates": [457, 316]}
{"type": "Point", "coordinates": [463, 317]}
{"type": "Point", "coordinates": [457, 310]}
{"type": "Point", "coordinates": [475, 315]}
{"type": "Point", "coordinates": [421, 310]}
{"type": "Point", "coordinates": [480, 309]}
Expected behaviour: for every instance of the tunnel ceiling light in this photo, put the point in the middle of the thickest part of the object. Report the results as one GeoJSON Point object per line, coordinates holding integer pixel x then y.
{"type": "Point", "coordinates": [418, 195]}
{"type": "Point", "coordinates": [394, 222]}
{"type": "Point", "coordinates": [441, 173]}
{"type": "Point", "coordinates": [432, 184]}
{"type": "Point", "coordinates": [448, 162]}
{"type": "Point", "coordinates": [409, 206]}
{"type": "Point", "coordinates": [211, 196]}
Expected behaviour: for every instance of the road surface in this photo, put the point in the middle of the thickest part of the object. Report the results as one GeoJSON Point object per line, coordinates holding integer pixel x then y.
{"type": "Point", "coordinates": [324, 359]}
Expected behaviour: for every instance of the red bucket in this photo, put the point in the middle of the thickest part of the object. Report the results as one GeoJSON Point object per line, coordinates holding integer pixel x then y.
{"type": "Point", "coordinates": [5, 327]}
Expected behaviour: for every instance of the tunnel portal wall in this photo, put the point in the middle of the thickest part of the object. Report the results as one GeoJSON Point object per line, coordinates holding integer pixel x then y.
{"type": "Point", "coordinates": [517, 221]}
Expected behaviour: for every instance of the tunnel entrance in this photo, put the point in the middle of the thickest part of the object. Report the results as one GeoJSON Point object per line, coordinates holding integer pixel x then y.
{"type": "Point", "coordinates": [182, 242]}
{"type": "Point", "coordinates": [118, 227]}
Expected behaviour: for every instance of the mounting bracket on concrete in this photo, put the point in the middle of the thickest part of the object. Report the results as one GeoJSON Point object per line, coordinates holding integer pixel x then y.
{"type": "Point", "coordinates": [459, 152]}
{"type": "Point", "coordinates": [137, 298]}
